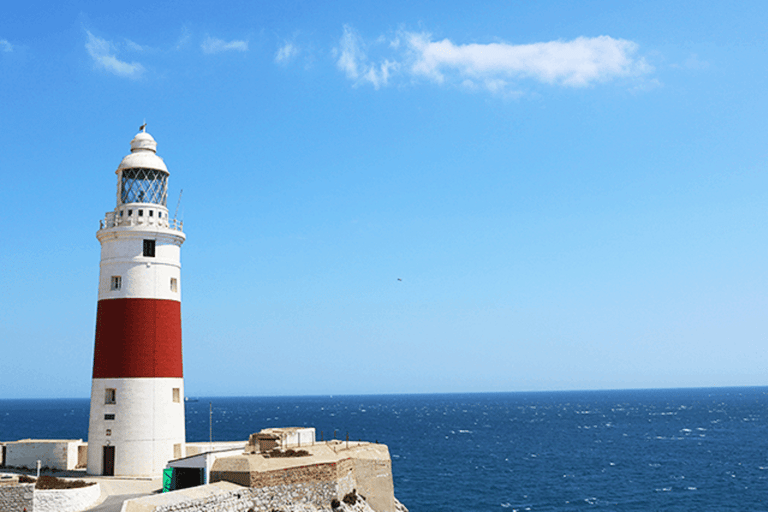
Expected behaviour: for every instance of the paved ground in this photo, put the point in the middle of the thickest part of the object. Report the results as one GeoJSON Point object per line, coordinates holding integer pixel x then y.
{"type": "Point", "coordinates": [114, 490]}
{"type": "Point", "coordinates": [114, 503]}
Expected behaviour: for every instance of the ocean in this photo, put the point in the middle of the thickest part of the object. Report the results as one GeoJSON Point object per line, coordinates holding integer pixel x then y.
{"type": "Point", "coordinates": [631, 450]}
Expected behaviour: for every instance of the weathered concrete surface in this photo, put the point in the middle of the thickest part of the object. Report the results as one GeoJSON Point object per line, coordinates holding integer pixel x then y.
{"type": "Point", "coordinates": [344, 466]}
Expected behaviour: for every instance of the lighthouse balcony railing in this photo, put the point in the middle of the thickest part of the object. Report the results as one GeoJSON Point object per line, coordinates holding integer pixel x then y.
{"type": "Point", "coordinates": [112, 221]}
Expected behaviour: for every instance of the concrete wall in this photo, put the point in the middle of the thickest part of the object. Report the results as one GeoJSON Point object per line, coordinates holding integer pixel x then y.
{"type": "Point", "coordinates": [292, 437]}
{"type": "Point", "coordinates": [65, 500]}
{"type": "Point", "coordinates": [147, 424]}
{"type": "Point", "coordinates": [17, 497]}
{"type": "Point", "coordinates": [58, 454]}
{"type": "Point", "coordinates": [202, 447]}
{"type": "Point", "coordinates": [142, 277]}
{"type": "Point", "coordinates": [373, 479]}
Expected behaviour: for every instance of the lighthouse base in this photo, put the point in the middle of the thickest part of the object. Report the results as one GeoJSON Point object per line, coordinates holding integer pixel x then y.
{"type": "Point", "coordinates": [136, 426]}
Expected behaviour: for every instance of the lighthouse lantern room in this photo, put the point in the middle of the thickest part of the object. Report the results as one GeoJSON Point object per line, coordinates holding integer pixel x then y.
{"type": "Point", "coordinates": [137, 394]}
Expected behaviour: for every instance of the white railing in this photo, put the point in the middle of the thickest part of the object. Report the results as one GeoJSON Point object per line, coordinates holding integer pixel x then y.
{"type": "Point", "coordinates": [109, 221]}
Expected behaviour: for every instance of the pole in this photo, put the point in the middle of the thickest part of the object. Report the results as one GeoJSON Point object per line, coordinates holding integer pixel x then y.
{"type": "Point", "coordinates": [210, 425]}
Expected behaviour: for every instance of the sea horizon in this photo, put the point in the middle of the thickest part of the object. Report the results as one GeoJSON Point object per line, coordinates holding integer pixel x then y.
{"type": "Point", "coordinates": [437, 393]}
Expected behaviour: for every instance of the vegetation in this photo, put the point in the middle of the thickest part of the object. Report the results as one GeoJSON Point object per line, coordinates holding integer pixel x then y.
{"type": "Point", "coordinates": [287, 453]}
{"type": "Point", "coordinates": [51, 482]}
{"type": "Point", "coordinates": [350, 498]}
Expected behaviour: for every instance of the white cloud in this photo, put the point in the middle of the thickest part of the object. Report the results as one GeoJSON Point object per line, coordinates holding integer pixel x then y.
{"type": "Point", "coordinates": [136, 47]}
{"type": "Point", "coordinates": [5, 46]}
{"type": "Point", "coordinates": [576, 63]}
{"type": "Point", "coordinates": [214, 45]}
{"type": "Point", "coordinates": [102, 53]}
{"type": "Point", "coordinates": [496, 67]}
{"type": "Point", "coordinates": [354, 62]}
{"type": "Point", "coordinates": [286, 53]}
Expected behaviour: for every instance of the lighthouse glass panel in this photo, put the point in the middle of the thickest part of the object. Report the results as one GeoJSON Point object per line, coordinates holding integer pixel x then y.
{"type": "Point", "coordinates": [141, 185]}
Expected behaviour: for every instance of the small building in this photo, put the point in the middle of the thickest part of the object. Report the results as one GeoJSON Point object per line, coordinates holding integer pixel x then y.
{"type": "Point", "coordinates": [59, 454]}
{"type": "Point", "coordinates": [194, 470]}
{"type": "Point", "coordinates": [280, 438]}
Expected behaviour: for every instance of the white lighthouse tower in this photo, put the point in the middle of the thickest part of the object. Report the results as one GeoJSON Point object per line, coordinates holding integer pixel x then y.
{"type": "Point", "coordinates": [137, 394]}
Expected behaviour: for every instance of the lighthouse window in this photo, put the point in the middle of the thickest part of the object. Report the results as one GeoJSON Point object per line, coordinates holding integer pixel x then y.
{"type": "Point", "coordinates": [149, 248]}
{"type": "Point", "coordinates": [151, 213]}
{"type": "Point", "coordinates": [117, 281]}
{"type": "Point", "coordinates": [109, 416]}
{"type": "Point", "coordinates": [130, 212]}
{"type": "Point", "coordinates": [141, 213]}
{"type": "Point", "coordinates": [174, 285]}
{"type": "Point", "coordinates": [176, 395]}
{"type": "Point", "coordinates": [121, 213]}
{"type": "Point", "coordinates": [140, 185]}
{"type": "Point", "coordinates": [109, 396]}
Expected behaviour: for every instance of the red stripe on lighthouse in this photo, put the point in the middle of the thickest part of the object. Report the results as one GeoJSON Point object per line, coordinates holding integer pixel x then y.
{"type": "Point", "coordinates": [137, 338]}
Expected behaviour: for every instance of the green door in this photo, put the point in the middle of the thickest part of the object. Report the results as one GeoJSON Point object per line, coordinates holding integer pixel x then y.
{"type": "Point", "coordinates": [168, 479]}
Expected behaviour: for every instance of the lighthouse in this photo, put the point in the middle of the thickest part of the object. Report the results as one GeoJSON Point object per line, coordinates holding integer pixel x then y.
{"type": "Point", "coordinates": [137, 393]}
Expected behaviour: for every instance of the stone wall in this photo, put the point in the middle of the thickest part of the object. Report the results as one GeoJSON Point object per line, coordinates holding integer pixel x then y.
{"type": "Point", "coordinates": [217, 497]}
{"type": "Point", "coordinates": [17, 497]}
{"type": "Point", "coordinates": [312, 473]}
{"type": "Point", "coordinates": [66, 500]}
{"type": "Point", "coordinates": [222, 496]}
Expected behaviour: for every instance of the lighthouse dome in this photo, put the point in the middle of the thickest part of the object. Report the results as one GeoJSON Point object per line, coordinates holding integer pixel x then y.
{"type": "Point", "coordinates": [143, 154]}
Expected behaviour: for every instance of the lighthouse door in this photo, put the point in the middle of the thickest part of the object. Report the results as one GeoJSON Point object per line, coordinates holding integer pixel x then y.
{"type": "Point", "coordinates": [108, 461]}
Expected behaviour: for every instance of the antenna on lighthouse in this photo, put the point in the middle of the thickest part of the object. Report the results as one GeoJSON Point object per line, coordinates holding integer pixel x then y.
{"type": "Point", "coordinates": [178, 203]}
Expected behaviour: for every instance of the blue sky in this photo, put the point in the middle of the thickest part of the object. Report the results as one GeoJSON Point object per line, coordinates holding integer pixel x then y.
{"type": "Point", "coordinates": [573, 193]}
